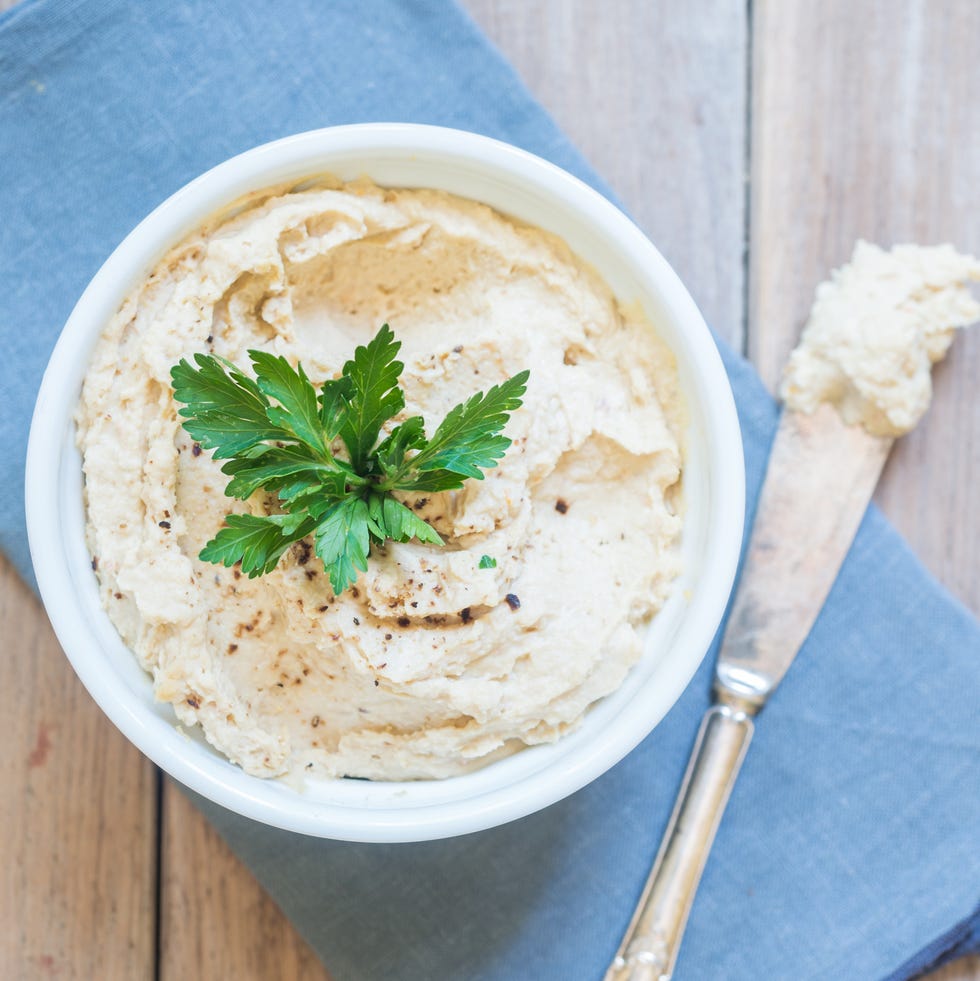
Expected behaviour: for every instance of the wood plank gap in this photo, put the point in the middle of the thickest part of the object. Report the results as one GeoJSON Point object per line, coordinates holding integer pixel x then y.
{"type": "Point", "coordinates": [216, 920]}
{"type": "Point", "coordinates": [653, 94]}
{"type": "Point", "coordinates": [158, 885]}
{"type": "Point", "coordinates": [747, 178]}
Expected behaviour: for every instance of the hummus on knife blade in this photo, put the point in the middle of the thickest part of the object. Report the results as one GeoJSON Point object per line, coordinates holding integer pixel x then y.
{"type": "Point", "coordinates": [875, 331]}
{"type": "Point", "coordinates": [430, 666]}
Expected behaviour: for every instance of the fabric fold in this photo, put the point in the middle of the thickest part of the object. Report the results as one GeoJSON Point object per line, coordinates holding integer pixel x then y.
{"type": "Point", "coordinates": [850, 847]}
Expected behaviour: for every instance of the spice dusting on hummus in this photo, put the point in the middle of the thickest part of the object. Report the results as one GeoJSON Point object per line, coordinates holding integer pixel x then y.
{"type": "Point", "coordinates": [876, 329]}
{"type": "Point", "coordinates": [435, 662]}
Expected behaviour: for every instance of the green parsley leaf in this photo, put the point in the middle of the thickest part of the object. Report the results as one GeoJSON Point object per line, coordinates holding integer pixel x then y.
{"type": "Point", "coordinates": [466, 442]}
{"type": "Point", "coordinates": [341, 540]}
{"type": "Point", "coordinates": [394, 520]}
{"type": "Point", "coordinates": [223, 408]}
{"type": "Point", "coordinates": [277, 467]}
{"type": "Point", "coordinates": [408, 435]}
{"type": "Point", "coordinates": [486, 562]}
{"type": "Point", "coordinates": [257, 541]}
{"type": "Point", "coordinates": [375, 396]}
{"type": "Point", "coordinates": [334, 400]}
{"type": "Point", "coordinates": [298, 412]}
{"type": "Point", "coordinates": [278, 434]}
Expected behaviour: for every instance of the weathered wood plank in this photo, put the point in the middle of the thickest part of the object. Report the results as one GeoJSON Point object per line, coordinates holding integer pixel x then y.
{"type": "Point", "coordinates": [78, 812]}
{"type": "Point", "coordinates": [964, 969]}
{"type": "Point", "coordinates": [649, 92]}
{"type": "Point", "coordinates": [864, 125]}
{"type": "Point", "coordinates": [216, 921]}
{"type": "Point", "coordinates": [653, 93]}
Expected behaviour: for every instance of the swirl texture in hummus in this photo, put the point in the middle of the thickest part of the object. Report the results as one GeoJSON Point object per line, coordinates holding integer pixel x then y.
{"type": "Point", "coordinates": [430, 666]}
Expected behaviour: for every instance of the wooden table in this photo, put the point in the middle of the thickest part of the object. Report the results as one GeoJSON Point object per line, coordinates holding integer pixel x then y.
{"type": "Point", "coordinates": [754, 143]}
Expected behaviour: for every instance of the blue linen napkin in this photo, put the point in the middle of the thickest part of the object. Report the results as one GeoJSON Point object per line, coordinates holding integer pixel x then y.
{"type": "Point", "coordinates": [851, 847]}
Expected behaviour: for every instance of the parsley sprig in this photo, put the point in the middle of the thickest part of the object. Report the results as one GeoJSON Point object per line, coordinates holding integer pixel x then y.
{"type": "Point", "coordinates": [321, 452]}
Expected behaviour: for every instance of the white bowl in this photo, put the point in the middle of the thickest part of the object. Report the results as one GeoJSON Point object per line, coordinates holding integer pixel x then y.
{"type": "Point", "coordinates": [518, 184]}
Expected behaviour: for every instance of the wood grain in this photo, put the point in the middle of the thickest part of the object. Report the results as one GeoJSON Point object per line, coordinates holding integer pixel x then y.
{"type": "Point", "coordinates": [865, 125]}
{"type": "Point", "coordinates": [654, 95]}
{"type": "Point", "coordinates": [856, 110]}
{"type": "Point", "coordinates": [78, 812]}
{"type": "Point", "coordinates": [964, 969]}
{"type": "Point", "coordinates": [216, 921]}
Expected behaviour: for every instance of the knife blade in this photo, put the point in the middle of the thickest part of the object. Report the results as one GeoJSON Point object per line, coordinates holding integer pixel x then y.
{"type": "Point", "coordinates": [819, 479]}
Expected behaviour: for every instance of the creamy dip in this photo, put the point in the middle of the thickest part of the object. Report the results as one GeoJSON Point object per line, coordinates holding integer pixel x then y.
{"type": "Point", "coordinates": [876, 329]}
{"type": "Point", "coordinates": [430, 666]}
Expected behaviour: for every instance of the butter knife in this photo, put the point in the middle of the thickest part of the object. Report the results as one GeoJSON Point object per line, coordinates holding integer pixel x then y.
{"type": "Point", "coordinates": [820, 478]}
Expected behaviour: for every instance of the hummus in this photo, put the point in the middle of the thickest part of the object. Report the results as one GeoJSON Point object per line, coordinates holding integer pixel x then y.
{"type": "Point", "coordinates": [876, 329]}
{"type": "Point", "coordinates": [430, 666]}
